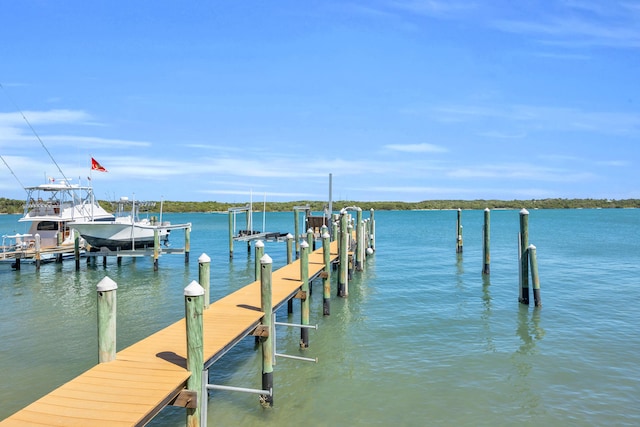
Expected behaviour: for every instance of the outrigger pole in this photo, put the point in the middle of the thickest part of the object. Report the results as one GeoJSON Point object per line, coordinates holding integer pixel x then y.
{"type": "Point", "coordinates": [13, 173]}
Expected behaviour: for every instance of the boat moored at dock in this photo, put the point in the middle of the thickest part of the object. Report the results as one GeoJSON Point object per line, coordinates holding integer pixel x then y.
{"type": "Point", "coordinates": [49, 209]}
{"type": "Point", "coordinates": [126, 231]}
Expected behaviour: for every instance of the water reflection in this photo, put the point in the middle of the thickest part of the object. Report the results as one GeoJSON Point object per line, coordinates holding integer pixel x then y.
{"type": "Point", "coordinates": [459, 265]}
{"type": "Point", "coordinates": [529, 330]}
{"type": "Point", "coordinates": [486, 313]}
{"type": "Point", "coordinates": [524, 359]}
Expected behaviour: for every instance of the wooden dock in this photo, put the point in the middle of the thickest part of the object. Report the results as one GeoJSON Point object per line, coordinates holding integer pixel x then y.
{"type": "Point", "coordinates": [149, 375]}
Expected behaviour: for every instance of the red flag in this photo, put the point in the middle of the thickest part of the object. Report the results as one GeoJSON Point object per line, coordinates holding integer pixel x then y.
{"type": "Point", "coordinates": [95, 166]}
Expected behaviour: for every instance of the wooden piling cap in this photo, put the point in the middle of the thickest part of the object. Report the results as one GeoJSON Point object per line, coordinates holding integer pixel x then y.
{"type": "Point", "coordinates": [304, 244]}
{"type": "Point", "coordinates": [487, 209]}
{"type": "Point", "coordinates": [289, 236]}
{"type": "Point", "coordinates": [106, 284]}
{"type": "Point", "coordinates": [326, 235]}
{"type": "Point", "coordinates": [532, 247]}
{"type": "Point", "coordinates": [524, 212]}
{"type": "Point", "coordinates": [204, 258]}
{"type": "Point", "coordinates": [193, 290]}
{"type": "Point", "coordinates": [266, 259]}
{"type": "Point", "coordinates": [259, 244]}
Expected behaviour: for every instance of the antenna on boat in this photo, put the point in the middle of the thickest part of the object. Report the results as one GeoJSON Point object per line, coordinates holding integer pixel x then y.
{"type": "Point", "coordinates": [35, 133]}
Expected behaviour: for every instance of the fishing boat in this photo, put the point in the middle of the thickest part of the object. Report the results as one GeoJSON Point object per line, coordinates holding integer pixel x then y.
{"type": "Point", "coordinates": [126, 231]}
{"type": "Point", "coordinates": [49, 209]}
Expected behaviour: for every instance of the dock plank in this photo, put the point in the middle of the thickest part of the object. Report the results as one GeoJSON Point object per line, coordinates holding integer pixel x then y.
{"type": "Point", "coordinates": [146, 376]}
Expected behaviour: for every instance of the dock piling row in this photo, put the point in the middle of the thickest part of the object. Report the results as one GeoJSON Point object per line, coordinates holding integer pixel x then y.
{"type": "Point", "coordinates": [189, 388]}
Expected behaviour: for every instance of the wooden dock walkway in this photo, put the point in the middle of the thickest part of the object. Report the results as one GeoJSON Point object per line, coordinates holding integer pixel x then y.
{"type": "Point", "coordinates": [149, 375]}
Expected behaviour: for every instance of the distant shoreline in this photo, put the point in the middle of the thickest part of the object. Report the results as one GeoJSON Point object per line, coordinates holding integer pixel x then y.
{"type": "Point", "coordinates": [8, 206]}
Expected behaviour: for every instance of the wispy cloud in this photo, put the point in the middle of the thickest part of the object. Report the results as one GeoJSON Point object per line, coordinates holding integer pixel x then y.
{"type": "Point", "coordinates": [614, 163]}
{"type": "Point", "coordinates": [94, 142]}
{"type": "Point", "coordinates": [520, 171]}
{"type": "Point", "coordinates": [434, 7]}
{"type": "Point", "coordinates": [503, 135]}
{"type": "Point", "coordinates": [416, 148]}
{"type": "Point", "coordinates": [543, 117]}
{"type": "Point", "coordinates": [570, 24]}
{"type": "Point", "coordinates": [45, 117]}
{"type": "Point", "coordinates": [420, 190]}
{"type": "Point", "coordinates": [580, 24]}
{"type": "Point", "coordinates": [19, 128]}
{"type": "Point", "coordinates": [256, 195]}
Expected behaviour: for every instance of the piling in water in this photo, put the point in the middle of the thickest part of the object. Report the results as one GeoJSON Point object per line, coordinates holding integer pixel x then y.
{"type": "Point", "coordinates": [259, 252]}
{"type": "Point", "coordinates": [230, 234]}
{"type": "Point", "coordinates": [156, 248]}
{"type": "Point", "coordinates": [326, 276]}
{"type": "Point", "coordinates": [106, 320]}
{"type": "Point", "coordinates": [359, 239]}
{"type": "Point", "coordinates": [305, 303]}
{"type": "Point", "coordinates": [289, 239]}
{"type": "Point", "coordinates": [459, 232]}
{"type": "Point", "coordinates": [194, 305]}
{"type": "Point", "coordinates": [486, 242]}
{"type": "Point", "coordinates": [60, 240]}
{"type": "Point", "coordinates": [535, 280]}
{"type": "Point", "coordinates": [37, 255]}
{"type": "Point", "coordinates": [372, 230]}
{"type": "Point", "coordinates": [187, 244]}
{"type": "Point", "coordinates": [343, 265]}
{"type": "Point", "coordinates": [296, 230]}
{"type": "Point", "coordinates": [76, 249]}
{"type": "Point", "coordinates": [266, 342]}
{"type": "Point", "coordinates": [204, 269]}
{"type": "Point", "coordinates": [311, 239]}
{"type": "Point", "coordinates": [524, 258]}
{"type": "Point", "coordinates": [289, 261]}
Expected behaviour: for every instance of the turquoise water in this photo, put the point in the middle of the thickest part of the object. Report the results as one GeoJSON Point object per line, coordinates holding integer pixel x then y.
{"type": "Point", "coordinates": [422, 339]}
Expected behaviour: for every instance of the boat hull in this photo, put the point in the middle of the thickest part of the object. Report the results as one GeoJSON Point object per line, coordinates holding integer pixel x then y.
{"type": "Point", "coordinates": [116, 236]}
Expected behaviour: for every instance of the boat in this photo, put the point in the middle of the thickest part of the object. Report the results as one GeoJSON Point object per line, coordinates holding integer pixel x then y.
{"type": "Point", "coordinates": [49, 209]}
{"type": "Point", "coordinates": [52, 206]}
{"type": "Point", "coordinates": [126, 231]}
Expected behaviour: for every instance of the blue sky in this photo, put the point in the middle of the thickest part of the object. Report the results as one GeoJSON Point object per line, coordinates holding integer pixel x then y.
{"type": "Point", "coordinates": [398, 99]}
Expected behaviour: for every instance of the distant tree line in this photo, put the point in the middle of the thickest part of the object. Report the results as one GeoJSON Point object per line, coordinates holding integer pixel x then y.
{"type": "Point", "coordinates": [17, 206]}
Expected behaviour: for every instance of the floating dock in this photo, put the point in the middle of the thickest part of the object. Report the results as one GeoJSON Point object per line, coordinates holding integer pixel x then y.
{"type": "Point", "coordinates": [151, 374]}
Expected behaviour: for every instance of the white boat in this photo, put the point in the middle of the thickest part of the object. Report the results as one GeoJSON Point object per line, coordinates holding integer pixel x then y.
{"type": "Point", "coordinates": [49, 208]}
{"type": "Point", "coordinates": [126, 231]}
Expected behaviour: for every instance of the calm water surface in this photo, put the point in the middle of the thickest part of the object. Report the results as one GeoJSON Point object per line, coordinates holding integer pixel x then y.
{"type": "Point", "coordinates": [422, 339]}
